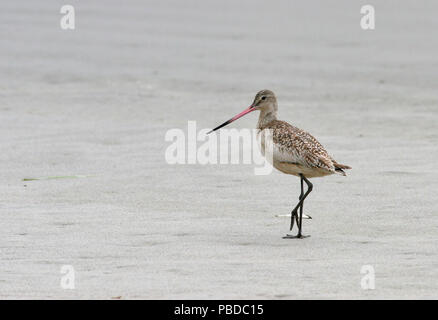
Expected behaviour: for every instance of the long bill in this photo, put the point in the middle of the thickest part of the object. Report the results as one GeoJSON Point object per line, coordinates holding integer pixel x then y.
{"type": "Point", "coordinates": [240, 115]}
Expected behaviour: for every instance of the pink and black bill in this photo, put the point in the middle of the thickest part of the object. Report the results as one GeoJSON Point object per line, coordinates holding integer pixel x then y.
{"type": "Point", "coordinates": [246, 111]}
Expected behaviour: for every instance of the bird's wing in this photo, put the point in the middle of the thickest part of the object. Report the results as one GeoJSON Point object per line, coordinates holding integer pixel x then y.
{"type": "Point", "coordinates": [294, 145]}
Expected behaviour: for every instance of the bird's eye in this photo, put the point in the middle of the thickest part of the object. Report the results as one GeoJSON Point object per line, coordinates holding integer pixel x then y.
{"type": "Point", "coordinates": [263, 98]}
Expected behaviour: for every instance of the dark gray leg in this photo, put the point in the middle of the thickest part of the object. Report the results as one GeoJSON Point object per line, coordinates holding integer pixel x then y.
{"type": "Point", "coordinates": [294, 213]}
{"type": "Point", "coordinates": [301, 208]}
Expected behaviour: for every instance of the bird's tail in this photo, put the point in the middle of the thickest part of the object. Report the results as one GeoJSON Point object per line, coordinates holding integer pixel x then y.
{"type": "Point", "coordinates": [339, 168]}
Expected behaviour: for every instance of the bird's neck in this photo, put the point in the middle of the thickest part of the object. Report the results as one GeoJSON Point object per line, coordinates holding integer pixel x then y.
{"type": "Point", "coordinates": [265, 117]}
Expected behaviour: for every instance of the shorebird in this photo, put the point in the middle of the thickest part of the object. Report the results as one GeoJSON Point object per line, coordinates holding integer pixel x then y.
{"type": "Point", "coordinates": [294, 151]}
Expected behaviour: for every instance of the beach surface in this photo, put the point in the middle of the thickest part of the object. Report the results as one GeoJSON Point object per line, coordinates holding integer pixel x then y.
{"type": "Point", "coordinates": [85, 112]}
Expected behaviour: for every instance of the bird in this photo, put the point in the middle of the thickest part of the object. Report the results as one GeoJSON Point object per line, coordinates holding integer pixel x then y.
{"type": "Point", "coordinates": [294, 151]}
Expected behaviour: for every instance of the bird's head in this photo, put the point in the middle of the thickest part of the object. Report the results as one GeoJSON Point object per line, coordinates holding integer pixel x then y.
{"type": "Point", "coordinates": [264, 101]}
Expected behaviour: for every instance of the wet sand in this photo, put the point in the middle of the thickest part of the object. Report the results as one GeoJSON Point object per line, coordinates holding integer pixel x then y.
{"type": "Point", "coordinates": [97, 101]}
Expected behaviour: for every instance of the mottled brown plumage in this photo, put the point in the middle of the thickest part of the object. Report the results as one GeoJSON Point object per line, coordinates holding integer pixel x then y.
{"type": "Point", "coordinates": [295, 151]}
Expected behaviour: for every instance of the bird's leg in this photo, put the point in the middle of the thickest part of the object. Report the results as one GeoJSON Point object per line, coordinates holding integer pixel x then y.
{"type": "Point", "coordinates": [309, 189]}
{"type": "Point", "coordinates": [301, 202]}
{"type": "Point", "coordinates": [300, 205]}
{"type": "Point", "coordinates": [294, 215]}
{"type": "Point", "coordinates": [301, 208]}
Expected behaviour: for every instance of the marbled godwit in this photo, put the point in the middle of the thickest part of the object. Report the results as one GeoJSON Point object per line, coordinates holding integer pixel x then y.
{"type": "Point", "coordinates": [295, 151]}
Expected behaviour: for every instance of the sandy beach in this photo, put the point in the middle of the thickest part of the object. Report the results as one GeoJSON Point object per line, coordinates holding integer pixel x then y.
{"type": "Point", "coordinates": [91, 106]}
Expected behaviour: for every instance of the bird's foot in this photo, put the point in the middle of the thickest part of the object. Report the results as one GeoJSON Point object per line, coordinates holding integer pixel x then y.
{"type": "Point", "coordinates": [298, 236]}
